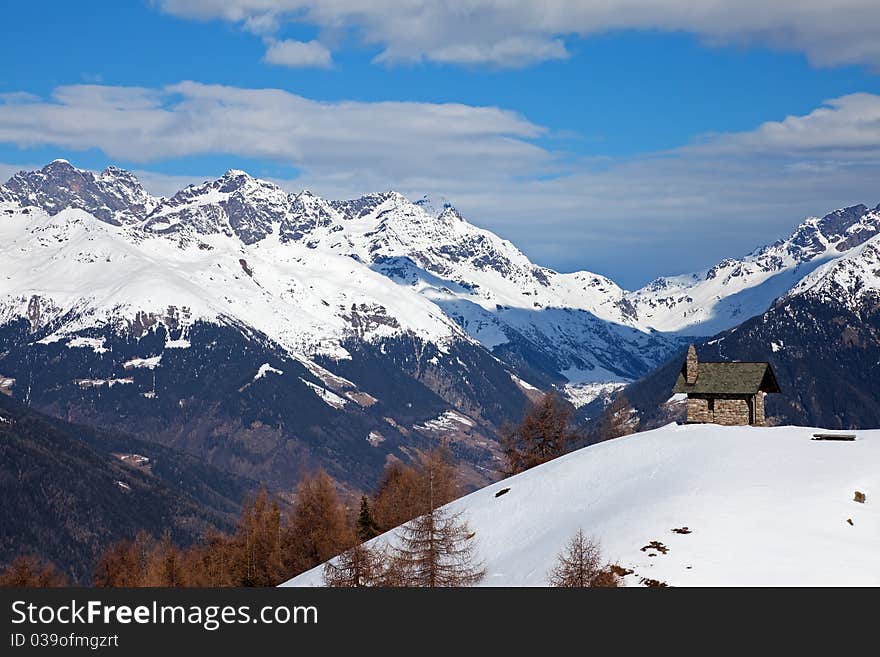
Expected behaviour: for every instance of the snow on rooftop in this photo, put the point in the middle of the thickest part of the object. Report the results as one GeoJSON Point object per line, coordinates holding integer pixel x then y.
{"type": "Point", "coordinates": [761, 506]}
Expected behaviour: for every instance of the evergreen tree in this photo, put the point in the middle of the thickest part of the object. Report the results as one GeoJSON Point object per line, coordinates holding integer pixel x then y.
{"type": "Point", "coordinates": [366, 526]}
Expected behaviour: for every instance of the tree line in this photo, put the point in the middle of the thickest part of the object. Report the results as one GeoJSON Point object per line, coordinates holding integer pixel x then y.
{"type": "Point", "coordinates": [432, 546]}
{"type": "Point", "coordinates": [547, 432]}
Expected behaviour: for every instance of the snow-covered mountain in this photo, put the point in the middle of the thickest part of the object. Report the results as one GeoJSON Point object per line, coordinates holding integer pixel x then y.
{"type": "Point", "coordinates": [822, 338]}
{"type": "Point", "coordinates": [114, 196]}
{"type": "Point", "coordinates": [852, 280]}
{"type": "Point", "coordinates": [696, 505]}
{"type": "Point", "coordinates": [578, 328]}
{"type": "Point", "coordinates": [271, 333]}
{"type": "Point", "coordinates": [244, 249]}
{"type": "Point", "coordinates": [734, 290]}
{"type": "Point", "coordinates": [383, 315]}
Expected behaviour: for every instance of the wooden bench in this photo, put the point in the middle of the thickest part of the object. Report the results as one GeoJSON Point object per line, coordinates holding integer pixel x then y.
{"type": "Point", "coordinates": [834, 436]}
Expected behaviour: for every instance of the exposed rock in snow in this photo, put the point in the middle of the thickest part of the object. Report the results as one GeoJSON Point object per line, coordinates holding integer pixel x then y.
{"type": "Point", "coordinates": [89, 251]}
{"type": "Point", "coordinates": [114, 196]}
{"type": "Point", "coordinates": [849, 280]}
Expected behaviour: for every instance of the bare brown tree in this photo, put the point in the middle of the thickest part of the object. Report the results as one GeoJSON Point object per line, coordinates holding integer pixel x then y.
{"type": "Point", "coordinates": [215, 562]}
{"type": "Point", "coordinates": [318, 528]}
{"type": "Point", "coordinates": [397, 497]}
{"type": "Point", "coordinates": [125, 563]}
{"type": "Point", "coordinates": [255, 554]}
{"type": "Point", "coordinates": [250, 557]}
{"type": "Point", "coordinates": [406, 492]}
{"type": "Point", "coordinates": [358, 566]}
{"type": "Point", "coordinates": [619, 419]}
{"type": "Point", "coordinates": [436, 549]}
{"type": "Point", "coordinates": [164, 565]}
{"type": "Point", "coordinates": [543, 434]}
{"type": "Point", "coordinates": [580, 565]}
{"type": "Point", "coordinates": [32, 572]}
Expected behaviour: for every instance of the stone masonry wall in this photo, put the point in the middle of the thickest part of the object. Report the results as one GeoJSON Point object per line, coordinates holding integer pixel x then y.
{"type": "Point", "coordinates": [691, 366]}
{"type": "Point", "coordinates": [698, 410]}
{"type": "Point", "coordinates": [759, 410]}
{"type": "Point", "coordinates": [731, 411]}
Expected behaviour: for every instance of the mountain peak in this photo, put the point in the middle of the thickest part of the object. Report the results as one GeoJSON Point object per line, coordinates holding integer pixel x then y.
{"type": "Point", "coordinates": [234, 179]}
{"type": "Point", "coordinates": [437, 206]}
{"type": "Point", "coordinates": [59, 167]}
{"type": "Point", "coordinates": [115, 196]}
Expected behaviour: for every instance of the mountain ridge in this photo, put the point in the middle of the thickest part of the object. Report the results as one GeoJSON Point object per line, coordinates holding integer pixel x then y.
{"type": "Point", "coordinates": [382, 315]}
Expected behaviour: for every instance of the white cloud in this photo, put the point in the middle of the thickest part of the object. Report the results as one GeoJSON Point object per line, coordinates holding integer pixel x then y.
{"type": "Point", "coordinates": [631, 218]}
{"type": "Point", "coordinates": [512, 52]}
{"type": "Point", "coordinates": [849, 124]}
{"type": "Point", "coordinates": [490, 32]}
{"type": "Point", "coordinates": [189, 118]}
{"type": "Point", "coordinates": [298, 54]}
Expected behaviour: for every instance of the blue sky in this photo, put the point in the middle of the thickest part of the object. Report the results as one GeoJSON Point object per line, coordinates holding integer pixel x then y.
{"type": "Point", "coordinates": [594, 137]}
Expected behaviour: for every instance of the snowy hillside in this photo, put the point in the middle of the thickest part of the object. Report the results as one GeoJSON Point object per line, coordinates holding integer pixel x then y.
{"type": "Point", "coordinates": [852, 280]}
{"type": "Point", "coordinates": [752, 506]}
{"type": "Point", "coordinates": [91, 273]}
